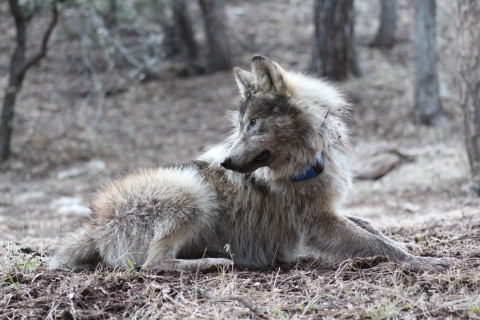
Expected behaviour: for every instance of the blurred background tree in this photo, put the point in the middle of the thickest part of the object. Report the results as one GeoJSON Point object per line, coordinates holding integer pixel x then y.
{"type": "Point", "coordinates": [22, 12]}
{"type": "Point", "coordinates": [219, 55]}
{"type": "Point", "coordinates": [468, 66]}
{"type": "Point", "coordinates": [333, 45]}
{"type": "Point", "coordinates": [122, 44]}
{"type": "Point", "coordinates": [184, 37]}
{"type": "Point", "coordinates": [119, 39]}
{"type": "Point", "coordinates": [427, 107]}
{"type": "Point", "coordinates": [385, 37]}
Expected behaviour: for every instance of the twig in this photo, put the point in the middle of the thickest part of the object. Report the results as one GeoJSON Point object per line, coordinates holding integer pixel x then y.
{"type": "Point", "coordinates": [466, 238]}
{"type": "Point", "coordinates": [143, 67]}
{"type": "Point", "coordinates": [242, 300]}
{"type": "Point", "coordinates": [43, 48]}
{"type": "Point", "coordinates": [276, 277]}
{"type": "Point", "coordinates": [328, 111]}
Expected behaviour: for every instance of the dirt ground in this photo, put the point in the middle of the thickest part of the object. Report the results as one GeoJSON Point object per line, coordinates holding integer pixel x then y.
{"type": "Point", "coordinates": [67, 143]}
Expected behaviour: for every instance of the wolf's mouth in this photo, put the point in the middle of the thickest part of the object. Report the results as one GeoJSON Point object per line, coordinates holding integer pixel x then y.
{"type": "Point", "coordinates": [260, 160]}
{"type": "Point", "coordinates": [262, 157]}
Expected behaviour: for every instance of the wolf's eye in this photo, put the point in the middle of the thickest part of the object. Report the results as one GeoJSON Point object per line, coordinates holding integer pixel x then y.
{"type": "Point", "coordinates": [253, 122]}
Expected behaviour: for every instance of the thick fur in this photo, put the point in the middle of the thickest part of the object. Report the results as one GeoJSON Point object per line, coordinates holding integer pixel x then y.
{"type": "Point", "coordinates": [172, 217]}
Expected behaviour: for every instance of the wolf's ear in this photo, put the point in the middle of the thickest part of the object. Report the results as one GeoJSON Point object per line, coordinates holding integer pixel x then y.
{"type": "Point", "coordinates": [267, 74]}
{"type": "Point", "coordinates": [244, 81]}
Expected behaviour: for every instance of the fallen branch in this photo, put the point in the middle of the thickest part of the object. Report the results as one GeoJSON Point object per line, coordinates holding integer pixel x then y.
{"type": "Point", "coordinates": [376, 172]}
{"type": "Point", "coordinates": [374, 163]}
{"type": "Point", "coordinates": [391, 149]}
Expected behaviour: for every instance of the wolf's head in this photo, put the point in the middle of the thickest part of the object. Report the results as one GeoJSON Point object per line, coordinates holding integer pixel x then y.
{"type": "Point", "coordinates": [285, 120]}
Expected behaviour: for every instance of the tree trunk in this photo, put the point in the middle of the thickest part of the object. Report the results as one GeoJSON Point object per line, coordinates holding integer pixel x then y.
{"type": "Point", "coordinates": [185, 36]}
{"type": "Point", "coordinates": [468, 66]}
{"type": "Point", "coordinates": [385, 37]}
{"type": "Point", "coordinates": [427, 109]}
{"type": "Point", "coordinates": [219, 53]}
{"type": "Point", "coordinates": [333, 52]}
{"type": "Point", "coordinates": [6, 121]}
{"type": "Point", "coordinates": [18, 67]}
{"type": "Point", "coordinates": [170, 44]}
{"type": "Point", "coordinates": [14, 82]}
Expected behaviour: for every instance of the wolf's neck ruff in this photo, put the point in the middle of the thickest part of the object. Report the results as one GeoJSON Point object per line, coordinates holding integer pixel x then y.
{"type": "Point", "coordinates": [312, 171]}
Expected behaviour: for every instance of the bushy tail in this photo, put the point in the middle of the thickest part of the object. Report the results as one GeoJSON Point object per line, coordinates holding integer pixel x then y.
{"type": "Point", "coordinates": [76, 249]}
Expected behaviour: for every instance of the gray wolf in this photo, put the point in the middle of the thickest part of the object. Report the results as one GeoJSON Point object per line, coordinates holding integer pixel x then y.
{"type": "Point", "coordinates": [271, 192]}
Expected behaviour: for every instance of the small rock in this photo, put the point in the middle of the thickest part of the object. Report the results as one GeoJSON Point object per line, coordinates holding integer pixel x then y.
{"type": "Point", "coordinates": [70, 173]}
{"type": "Point", "coordinates": [74, 209]}
{"type": "Point", "coordinates": [17, 165]}
{"type": "Point", "coordinates": [90, 169]}
{"type": "Point", "coordinates": [50, 107]}
{"type": "Point", "coordinates": [70, 206]}
{"type": "Point", "coordinates": [27, 197]}
{"type": "Point", "coordinates": [65, 201]}
{"type": "Point", "coordinates": [95, 166]}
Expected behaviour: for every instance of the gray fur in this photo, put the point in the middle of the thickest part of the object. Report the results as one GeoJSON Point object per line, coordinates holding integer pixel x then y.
{"type": "Point", "coordinates": [175, 217]}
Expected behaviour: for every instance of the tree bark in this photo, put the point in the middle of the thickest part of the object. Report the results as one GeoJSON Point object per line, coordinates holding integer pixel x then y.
{"type": "Point", "coordinates": [468, 66]}
{"type": "Point", "coordinates": [333, 51]}
{"type": "Point", "coordinates": [18, 67]}
{"type": "Point", "coordinates": [185, 37]}
{"type": "Point", "coordinates": [219, 52]}
{"type": "Point", "coordinates": [427, 109]}
{"type": "Point", "coordinates": [385, 37]}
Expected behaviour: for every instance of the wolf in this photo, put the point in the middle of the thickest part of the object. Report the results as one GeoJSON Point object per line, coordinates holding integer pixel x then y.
{"type": "Point", "coordinates": [270, 193]}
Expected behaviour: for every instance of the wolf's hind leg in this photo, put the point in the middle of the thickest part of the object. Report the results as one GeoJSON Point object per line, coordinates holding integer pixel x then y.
{"type": "Point", "coordinates": [185, 227]}
{"type": "Point", "coordinates": [153, 215]}
{"type": "Point", "coordinates": [193, 265]}
{"type": "Point", "coordinates": [173, 236]}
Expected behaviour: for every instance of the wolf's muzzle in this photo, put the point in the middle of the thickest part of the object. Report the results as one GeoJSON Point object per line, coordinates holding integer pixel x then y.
{"type": "Point", "coordinates": [262, 157]}
{"type": "Point", "coordinates": [227, 164]}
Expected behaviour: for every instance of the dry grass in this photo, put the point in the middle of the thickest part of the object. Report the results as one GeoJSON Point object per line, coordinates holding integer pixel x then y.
{"type": "Point", "coordinates": [363, 288]}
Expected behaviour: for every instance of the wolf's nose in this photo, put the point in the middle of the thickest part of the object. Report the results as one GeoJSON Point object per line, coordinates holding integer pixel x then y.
{"type": "Point", "coordinates": [227, 163]}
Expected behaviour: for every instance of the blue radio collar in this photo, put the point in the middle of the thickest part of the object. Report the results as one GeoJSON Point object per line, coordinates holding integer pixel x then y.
{"type": "Point", "coordinates": [312, 171]}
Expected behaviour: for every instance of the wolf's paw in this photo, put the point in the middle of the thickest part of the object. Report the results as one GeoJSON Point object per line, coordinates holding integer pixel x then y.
{"type": "Point", "coordinates": [192, 265]}
{"type": "Point", "coordinates": [433, 263]}
{"type": "Point", "coordinates": [207, 263]}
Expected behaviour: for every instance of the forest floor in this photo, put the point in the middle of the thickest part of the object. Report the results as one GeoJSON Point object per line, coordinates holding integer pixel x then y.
{"type": "Point", "coordinates": [67, 143]}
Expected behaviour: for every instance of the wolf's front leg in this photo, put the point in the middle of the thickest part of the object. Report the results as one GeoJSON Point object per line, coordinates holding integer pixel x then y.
{"type": "Point", "coordinates": [340, 238]}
